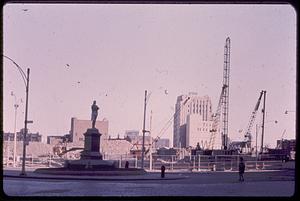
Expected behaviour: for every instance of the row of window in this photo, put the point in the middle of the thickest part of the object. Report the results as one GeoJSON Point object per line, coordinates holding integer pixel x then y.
{"type": "Point", "coordinates": [203, 129]}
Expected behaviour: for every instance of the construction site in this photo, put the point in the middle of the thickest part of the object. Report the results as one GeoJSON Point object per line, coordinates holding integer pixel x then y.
{"type": "Point", "coordinates": [142, 153]}
{"type": "Point", "coordinates": [228, 156]}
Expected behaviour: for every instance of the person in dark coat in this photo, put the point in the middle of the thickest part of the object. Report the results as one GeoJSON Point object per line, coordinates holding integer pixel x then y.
{"type": "Point", "coordinates": [127, 165]}
{"type": "Point", "coordinates": [163, 168]}
{"type": "Point", "coordinates": [241, 169]}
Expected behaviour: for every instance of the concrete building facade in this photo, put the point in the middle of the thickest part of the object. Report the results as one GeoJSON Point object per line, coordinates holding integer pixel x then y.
{"type": "Point", "coordinates": [198, 131]}
{"type": "Point", "coordinates": [55, 140]}
{"type": "Point", "coordinates": [79, 127]}
{"type": "Point", "coordinates": [31, 137]}
{"type": "Point", "coordinates": [200, 107]}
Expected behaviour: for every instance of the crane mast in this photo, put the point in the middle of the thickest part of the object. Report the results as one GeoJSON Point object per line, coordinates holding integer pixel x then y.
{"type": "Point", "coordinates": [225, 99]}
{"type": "Point", "coordinates": [223, 105]}
{"type": "Point", "coordinates": [248, 136]}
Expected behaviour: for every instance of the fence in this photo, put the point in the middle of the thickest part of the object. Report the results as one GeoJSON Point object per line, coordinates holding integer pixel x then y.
{"type": "Point", "coordinates": [200, 162]}
{"type": "Point", "coordinates": [176, 163]}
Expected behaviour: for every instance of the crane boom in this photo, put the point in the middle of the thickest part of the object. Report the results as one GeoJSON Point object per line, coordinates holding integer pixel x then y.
{"type": "Point", "coordinates": [216, 120]}
{"type": "Point", "coordinates": [248, 136]}
{"type": "Point", "coordinates": [72, 149]}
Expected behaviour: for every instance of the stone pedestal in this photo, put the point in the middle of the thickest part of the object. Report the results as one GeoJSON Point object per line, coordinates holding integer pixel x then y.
{"type": "Point", "coordinates": [91, 144]}
{"type": "Point", "coordinates": [91, 158]}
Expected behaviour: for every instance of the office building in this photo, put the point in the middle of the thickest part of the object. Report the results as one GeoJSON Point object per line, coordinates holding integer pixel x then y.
{"type": "Point", "coordinates": [192, 120]}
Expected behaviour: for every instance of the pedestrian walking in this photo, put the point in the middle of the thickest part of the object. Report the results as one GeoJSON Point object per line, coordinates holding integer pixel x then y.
{"type": "Point", "coordinates": [163, 168]}
{"type": "Point", "coordinates": [241, 169]}
{"type": "Point", "coordinates": [127, 165]}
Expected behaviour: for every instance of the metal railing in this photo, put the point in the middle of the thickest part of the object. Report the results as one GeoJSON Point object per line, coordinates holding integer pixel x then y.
{"type": "Point", "coordinates": [201, 162]}
{"type": "Point", "coordinates": [173, 162]}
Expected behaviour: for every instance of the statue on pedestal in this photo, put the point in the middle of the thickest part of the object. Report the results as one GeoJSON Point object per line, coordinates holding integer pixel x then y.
{"type": "Point", "coordinates": [94, 115]}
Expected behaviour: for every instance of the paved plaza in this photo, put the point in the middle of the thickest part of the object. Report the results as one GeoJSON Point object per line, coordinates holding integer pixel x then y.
{"type": "Point", "coordinates": [262, 183]}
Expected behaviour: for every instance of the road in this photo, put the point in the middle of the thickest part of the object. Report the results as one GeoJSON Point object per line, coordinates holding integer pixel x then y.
{"type": "Point", "coordinates": [269, 183]}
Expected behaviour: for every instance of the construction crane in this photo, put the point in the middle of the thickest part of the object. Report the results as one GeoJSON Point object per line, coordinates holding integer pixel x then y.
{"type": "Point", "coordinates": [223, 105]}
{"type": "Point", "coordinates": [225, 99]}
{"type": "Point", "coordinates": [248, 136]}
{"type": "Point", "coordinates": [216, 120]}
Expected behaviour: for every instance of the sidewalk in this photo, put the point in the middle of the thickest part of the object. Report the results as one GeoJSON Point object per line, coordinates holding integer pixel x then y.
{"type": "Point", "coordinates": [258, 183]}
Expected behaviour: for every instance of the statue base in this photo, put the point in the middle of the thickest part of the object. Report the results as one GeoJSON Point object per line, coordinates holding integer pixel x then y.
{"type": "Point", "coordinates": [90, 164]}
{"type": "Point", "coordinates": [91, 145]}
{"type": "Point", "coordinates": [91, 158]}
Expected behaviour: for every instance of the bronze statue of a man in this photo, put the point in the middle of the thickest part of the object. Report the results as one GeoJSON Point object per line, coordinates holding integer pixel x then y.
{"type": "Point", "coordinates": [94, 115]}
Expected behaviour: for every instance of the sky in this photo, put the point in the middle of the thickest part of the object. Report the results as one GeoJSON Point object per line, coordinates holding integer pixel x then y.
{"type": "Point", "coordinates": [112, 53]}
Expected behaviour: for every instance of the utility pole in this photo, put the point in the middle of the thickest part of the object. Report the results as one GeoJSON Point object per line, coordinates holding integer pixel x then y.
{"type": "Point", "coordinates": [150, 148]}
{"type": "Point", "coordinates": [263, 123]}
{"type": "Point", "coordinates": [144, 131]}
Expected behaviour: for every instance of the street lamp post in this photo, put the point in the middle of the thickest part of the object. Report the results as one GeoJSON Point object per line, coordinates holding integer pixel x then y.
{"type": "Point", "coordinates": [26, 82]}
{"type": "Point", "coordinates": [146, 131]}
{"type": "Point", "coordinates": [25, 126]}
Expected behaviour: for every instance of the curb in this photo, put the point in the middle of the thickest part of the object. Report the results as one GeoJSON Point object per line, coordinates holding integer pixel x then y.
{"type": "Point", "coordinates": [99, 173]}
{"type": "Point", "coordinates": [93, 179]}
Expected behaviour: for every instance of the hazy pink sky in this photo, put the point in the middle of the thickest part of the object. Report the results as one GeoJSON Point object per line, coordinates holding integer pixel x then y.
{"type": "Point", "coordinates": [118, 51]}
